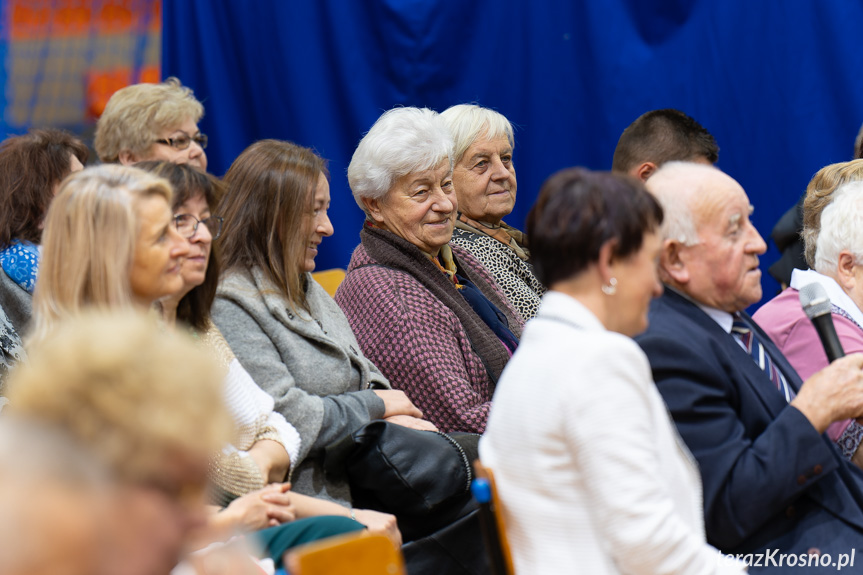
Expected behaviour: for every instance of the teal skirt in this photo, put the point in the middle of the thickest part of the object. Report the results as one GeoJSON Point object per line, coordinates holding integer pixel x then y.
{"type": "Point", "coordinates": [276, 540]}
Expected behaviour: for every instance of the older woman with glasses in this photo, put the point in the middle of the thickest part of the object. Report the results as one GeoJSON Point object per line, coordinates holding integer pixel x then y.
{"type": "Point", "coordinates": [266, 443]}
{"type": "Point", "coordinates": [152, 122]}
{"type": "Point", "coordinates": [111, 243]}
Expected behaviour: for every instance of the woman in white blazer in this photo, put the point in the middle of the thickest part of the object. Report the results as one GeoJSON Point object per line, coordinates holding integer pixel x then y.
{"type": "Point", "coordinates": [593, 476]}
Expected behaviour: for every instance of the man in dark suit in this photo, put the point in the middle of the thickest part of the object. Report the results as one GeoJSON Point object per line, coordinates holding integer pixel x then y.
{"type": "Point", "coordinates": [774, 484]}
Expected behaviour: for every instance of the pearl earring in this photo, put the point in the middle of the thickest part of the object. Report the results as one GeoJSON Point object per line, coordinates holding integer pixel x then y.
{"type": "Point", "coordinates": [611, 288]}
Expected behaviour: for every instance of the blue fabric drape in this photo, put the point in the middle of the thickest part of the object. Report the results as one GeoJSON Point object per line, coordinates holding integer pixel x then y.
{"type": "Point", "coordinates": [777, 81]}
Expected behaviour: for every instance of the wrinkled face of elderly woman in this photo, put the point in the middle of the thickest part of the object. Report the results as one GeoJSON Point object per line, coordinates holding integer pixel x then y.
{"type": "Point", "coordinates": [484, 179]}
{"type": "Point", "coordinates": [420, 207]}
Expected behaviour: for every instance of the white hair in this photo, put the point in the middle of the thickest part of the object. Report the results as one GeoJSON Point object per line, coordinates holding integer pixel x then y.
{"type": "Point", "coordinates": [841, 228]}
{"type": "Point", "coordinates": [402, 141]}
{"type": "Point", "coordinates": [467, 122]}
{"type": "Point", "coordinates": [676, 185]}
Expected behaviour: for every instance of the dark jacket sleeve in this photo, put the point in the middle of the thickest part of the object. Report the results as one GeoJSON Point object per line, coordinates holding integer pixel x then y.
{"type": "Point", "coordinates": [753, 466]}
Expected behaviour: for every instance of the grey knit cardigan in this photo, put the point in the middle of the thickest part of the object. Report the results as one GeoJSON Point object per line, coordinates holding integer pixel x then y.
{"type": "Point", "coordinates": [311, 365]}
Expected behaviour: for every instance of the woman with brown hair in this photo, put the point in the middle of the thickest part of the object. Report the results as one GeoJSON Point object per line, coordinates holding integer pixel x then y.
{"type": "Point", "coordinates": [31, 169]}
{"type": "Point", "coordinates": [265, 444]}
{"type": "Point", "coordinates": [577, 488]}
{"type": "Point", "coordinates": [283, 327]}
{"type": "Point", "coordinates": [112, 243]}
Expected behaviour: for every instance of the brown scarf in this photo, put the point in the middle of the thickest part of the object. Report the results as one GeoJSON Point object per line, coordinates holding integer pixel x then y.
{"type": "Point", "coordinates": [391, 251]}
{"type": "Point", "coordinates": [505, 234]}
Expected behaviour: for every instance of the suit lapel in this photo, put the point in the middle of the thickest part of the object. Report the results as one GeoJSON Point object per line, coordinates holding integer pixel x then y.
{"type": "Point", "coordinates": [746, 370]}
{"type": "Point", "coordinates": [741, 364]}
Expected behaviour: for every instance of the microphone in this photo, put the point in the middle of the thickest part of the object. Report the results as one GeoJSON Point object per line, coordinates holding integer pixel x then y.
{"type": "Point", "coordinates": [816, 305]}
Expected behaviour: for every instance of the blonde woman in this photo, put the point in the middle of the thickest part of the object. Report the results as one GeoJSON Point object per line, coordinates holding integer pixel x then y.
{"type": "Point", "coordinates": [152, 122]}
{"type": "Point", "coordinates": [108, 243]}
{"type": "Point", "coordinates": [111, 243]}
{"type": "Point", "coordinates": [266, 445]}
{"type": "Point", "coordinates": [144, 404]}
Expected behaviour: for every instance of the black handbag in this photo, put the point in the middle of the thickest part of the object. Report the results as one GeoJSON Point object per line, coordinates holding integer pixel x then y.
{"type": "Point", "coordinates": [421, 477]}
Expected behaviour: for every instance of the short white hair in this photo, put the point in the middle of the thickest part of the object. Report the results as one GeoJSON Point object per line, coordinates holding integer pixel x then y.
{"type": "Point", "coordinates": [467, 122]}
{"type": "Point", "coordinates": [841, 228]}
{"type": "Point", "coordinates": [402, 141]}
{"type": "Point", "coordinates": [676, 185]}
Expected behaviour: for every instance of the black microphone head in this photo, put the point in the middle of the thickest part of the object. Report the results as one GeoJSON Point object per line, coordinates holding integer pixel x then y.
{"type": "Point", "coordinates": [814, 300]}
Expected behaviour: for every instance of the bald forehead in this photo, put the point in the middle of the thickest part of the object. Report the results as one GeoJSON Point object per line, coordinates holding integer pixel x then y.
{"type": "Point", "coordinates": [700, 187]}
{"type": "Point", "coordinates": [681, 179]}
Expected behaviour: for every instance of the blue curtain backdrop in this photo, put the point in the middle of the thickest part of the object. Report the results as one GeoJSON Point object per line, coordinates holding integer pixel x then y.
{"type": "Point", "coordinates": [777, 82]}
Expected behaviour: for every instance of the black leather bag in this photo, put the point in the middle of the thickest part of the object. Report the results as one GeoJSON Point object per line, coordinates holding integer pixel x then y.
{"type": "Point", "coordinates": [421, 477]}
{"type": "Point", "coordinates": [457, 549]}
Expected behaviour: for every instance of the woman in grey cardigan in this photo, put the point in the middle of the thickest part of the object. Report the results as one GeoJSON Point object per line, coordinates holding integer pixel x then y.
{"type": "Point", "coordinates": [283, 327]}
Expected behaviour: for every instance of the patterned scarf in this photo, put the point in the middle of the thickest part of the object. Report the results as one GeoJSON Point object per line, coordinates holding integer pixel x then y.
{"type": "Point", "coordinates": [448, 267]}
{"type": "Point", "coordinates": [20, 261]}
{"type": "Point", "coordinates": [390, 250]}
{"type": "Point", "coordinates": [507, 235]}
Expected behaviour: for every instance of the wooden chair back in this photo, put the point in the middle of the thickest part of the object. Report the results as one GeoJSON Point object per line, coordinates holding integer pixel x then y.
{"type": "Point", "coordinates": [330, 279]}
{"type": "Point", "coordinates": [360, 553]}
{"type": "Point", "coordinates": [500, 548]}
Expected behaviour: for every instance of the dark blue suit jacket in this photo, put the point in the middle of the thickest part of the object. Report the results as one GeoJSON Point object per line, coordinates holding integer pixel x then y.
{"type": "Point", "coordinates": [770, 479]}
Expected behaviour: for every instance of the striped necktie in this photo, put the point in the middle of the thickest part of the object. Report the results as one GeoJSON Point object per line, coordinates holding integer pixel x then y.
{"type": "Point", "coordinates": [744, 334]}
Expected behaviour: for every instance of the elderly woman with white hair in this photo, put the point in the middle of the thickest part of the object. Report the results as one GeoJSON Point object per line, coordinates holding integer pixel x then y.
{"type": "Point", "coordinates": [426, 313]}
{"type": "Point", "coordinates": [838, 259]}
{"type": "Point", "coordinates": [485, 184]}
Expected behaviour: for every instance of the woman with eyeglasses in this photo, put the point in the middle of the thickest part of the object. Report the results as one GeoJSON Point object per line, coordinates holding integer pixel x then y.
{"type": "Point", "coordinates": [112, 242]}
{"type": "Point", "coordinates": [152, 122]}
{"type": "Point", "coordinates": [267, 443]}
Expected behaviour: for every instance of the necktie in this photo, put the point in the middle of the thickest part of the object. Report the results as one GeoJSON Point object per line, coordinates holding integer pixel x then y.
{"type": "Point", "coordinates": [743, 332]}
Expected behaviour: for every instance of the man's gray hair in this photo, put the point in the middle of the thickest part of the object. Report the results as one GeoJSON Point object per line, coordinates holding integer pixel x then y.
{"type": "Point", "coordinates": [675, 184]}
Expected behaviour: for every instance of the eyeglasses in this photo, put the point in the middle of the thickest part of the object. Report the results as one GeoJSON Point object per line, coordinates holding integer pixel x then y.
{"type": "Point", "coordinates": [187, 225]}
{"type": "Point", "coordinates": [183, 141]}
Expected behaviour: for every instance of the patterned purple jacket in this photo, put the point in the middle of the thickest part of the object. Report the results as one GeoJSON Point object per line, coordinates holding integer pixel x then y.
{"type": "Point", "coordinates": [419, 343]}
